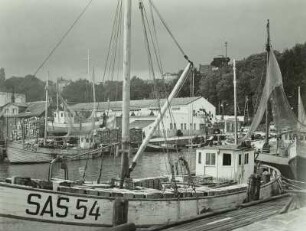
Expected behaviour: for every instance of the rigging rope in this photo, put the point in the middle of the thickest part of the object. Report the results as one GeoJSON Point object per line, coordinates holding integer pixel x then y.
{"type": "Point", "coordinates": [85, 169]}
{"type": "Point", "coordinates": [169, 31]}
{"type": "Point", "coordinates": [158, 57]}
{"type": "Point", "coordinates": [118, 8]}
{"type": "Point", "coordinates": [152, 73]}
{"type": "Point", "coordinates": [63, 37]}
{"type": "Point", "coordinates": [114, 51]}
{"type": "Point", "coordinates": [147, 31]}
{"type": "Point", "coordinates": [100, 170]}
{"type": "Point", "coordinates": [156, 41]}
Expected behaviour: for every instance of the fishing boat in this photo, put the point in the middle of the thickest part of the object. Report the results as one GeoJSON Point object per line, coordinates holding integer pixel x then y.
{"type": "Point", "coordinates": [31, 151]}
{"type": "Point", "coordinates": [37, 150]}
{"type": "Point", "coordinates": [64, 120]}
{"type": "Point", "coordinates": [220, 181]}
{"type": "Point", "coordinates": [288, 151]}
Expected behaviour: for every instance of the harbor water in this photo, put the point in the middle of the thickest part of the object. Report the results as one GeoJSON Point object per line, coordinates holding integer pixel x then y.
{"type": "Point", "coordinates": [148, 165]}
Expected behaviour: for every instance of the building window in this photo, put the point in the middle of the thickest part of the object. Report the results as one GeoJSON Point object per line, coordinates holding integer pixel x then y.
{"type": "Point", "coordinates": [194, 126]}
{"type": "Point", "coordinates": [62, 114]}
{"type": "Point", "coordinates": [246, 158]}
{"type": "Point", "coordinates": [210, 159]}
{"type": "Point", "coordinates": [202, 126]}
{"type": "Point", "coordinates": [185, 126]}
{"type": "Point", "coordinates": [240, 159]}
{"type": "Point", "coordinates": [227, 159]}
{"type": "Point", "coordinates": [14, 111]}
{"type": "Point", "coordinates": [171, 126]}
{"type": "Point", "coordinates": [174, 125]}
{"type": "Point", "coordinates": [182, 128]}
{"type": "Point", "coordinates": [200, 158]}
{"type": "Point", "coordinates": [190, 126]}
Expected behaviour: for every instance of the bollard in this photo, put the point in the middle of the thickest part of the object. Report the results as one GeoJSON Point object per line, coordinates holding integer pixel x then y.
{"type": "Point", "coordinates": [120, 211]}
{"type": "Point", "coordinates": [251, 188]}
{"type": "Point", "coordinates": [257, 187]}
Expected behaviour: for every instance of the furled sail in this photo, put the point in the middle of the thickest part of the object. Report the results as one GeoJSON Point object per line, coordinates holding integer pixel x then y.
{"type": "Point", "coordinates": [301, 110]}
{"type": "Point", "coordinates": [273, 92]}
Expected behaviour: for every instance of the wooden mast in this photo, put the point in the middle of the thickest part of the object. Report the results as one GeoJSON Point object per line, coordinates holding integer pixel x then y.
{"type": "Point", "coordinates": [235, 100]}
{"type": "Point", "coordinates": [268, 47]}
{"type": "Point", "coordinates": [94, 99]}
{"type": "Point", "coordinates": [46, 110]}
{"type": "Point", "coordinates": [126, 91]}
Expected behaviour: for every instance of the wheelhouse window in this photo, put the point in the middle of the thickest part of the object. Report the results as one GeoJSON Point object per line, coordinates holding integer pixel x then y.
{"type": "Point", "coordinates": [199, 158]}
{"type": "Point", "coordinates": [210, 159]}
{"type": "Point", "coordinates": [246, 158]}
{"type": "Point", "coordinates": [227, 159]}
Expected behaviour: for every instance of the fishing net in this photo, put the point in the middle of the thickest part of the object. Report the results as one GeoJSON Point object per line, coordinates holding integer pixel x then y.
{"type": "Point", "coordinates": [283, 117]}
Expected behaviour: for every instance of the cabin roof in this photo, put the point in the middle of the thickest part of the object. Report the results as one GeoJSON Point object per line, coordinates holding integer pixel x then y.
{"type": "Point", "coordinates": [134, 104]}
{"type": "Point", "coordinates": [230, 147]}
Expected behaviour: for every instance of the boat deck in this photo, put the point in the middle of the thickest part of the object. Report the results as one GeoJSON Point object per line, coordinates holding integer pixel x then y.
{"type": "Point", "coordinates": [152, 188]}
{"type": "Point", "coordinates": [229, 220]}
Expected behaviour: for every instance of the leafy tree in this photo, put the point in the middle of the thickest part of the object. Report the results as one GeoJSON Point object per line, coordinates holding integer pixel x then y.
{"type": "Point", "coordinates": [2, 77]}
{"type": "Point", "coordinates": [33, 88]}
{"type": "Point", "coordinates": [293, 67]}
{"type": "Point", "coordinates": [79, 91]}
{"type": "Point", "coordinates": [139, 89]}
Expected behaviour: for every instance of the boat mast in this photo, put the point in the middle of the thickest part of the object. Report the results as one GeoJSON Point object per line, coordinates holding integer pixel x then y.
{"type": "Point", "coordinates": [46, 110]}
{"type": "Point", "coordinates": [57, 89]}
{"type": "Point", "coordinates": [126, 91]}
{"type": "Point", "coordinates": [94, 99]}
{"type": "Point", "coordinates": [235, 100]}
{"type": "Point", "coordinates": [268, 48]}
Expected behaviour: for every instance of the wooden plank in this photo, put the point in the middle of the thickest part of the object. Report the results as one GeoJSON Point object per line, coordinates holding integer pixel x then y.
{"type": "Point", "coordinates": [232, 219]}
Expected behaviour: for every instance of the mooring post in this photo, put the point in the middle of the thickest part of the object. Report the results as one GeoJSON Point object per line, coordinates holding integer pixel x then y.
{"type": "Point", "coordinates": [257, 187]}
{"type": "Point", "coordinates": [120, 211]}
{"type": "Point", "coordinates": [251, 188]}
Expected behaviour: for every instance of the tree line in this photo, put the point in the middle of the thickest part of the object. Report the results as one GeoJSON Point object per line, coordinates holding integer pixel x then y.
{"type": "Point", "coordinates": [214, 85]}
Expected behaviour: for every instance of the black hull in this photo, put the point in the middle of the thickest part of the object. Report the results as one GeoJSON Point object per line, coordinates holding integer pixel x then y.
{"type": "Point", "coordinates": [298, 168]}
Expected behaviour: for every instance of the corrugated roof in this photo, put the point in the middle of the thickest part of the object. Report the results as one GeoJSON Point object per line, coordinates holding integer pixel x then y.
{"type": "Point", "coordinates": [134, 104]}
{"type": "Point", "coordinates": [15, 104]}
{"type": "Point", "coordinates": [140, 123]}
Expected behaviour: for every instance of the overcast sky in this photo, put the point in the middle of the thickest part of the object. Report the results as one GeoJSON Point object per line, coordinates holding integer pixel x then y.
{"type": "Point", "coordinates": [29, 29]}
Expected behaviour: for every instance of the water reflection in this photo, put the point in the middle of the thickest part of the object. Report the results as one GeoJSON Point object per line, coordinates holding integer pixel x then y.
{"type": "Point", "coordinates": [150, 164]}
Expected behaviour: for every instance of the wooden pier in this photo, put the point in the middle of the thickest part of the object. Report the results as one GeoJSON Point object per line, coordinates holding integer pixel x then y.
{"type": "Point", "coordinates": [231, 219]}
